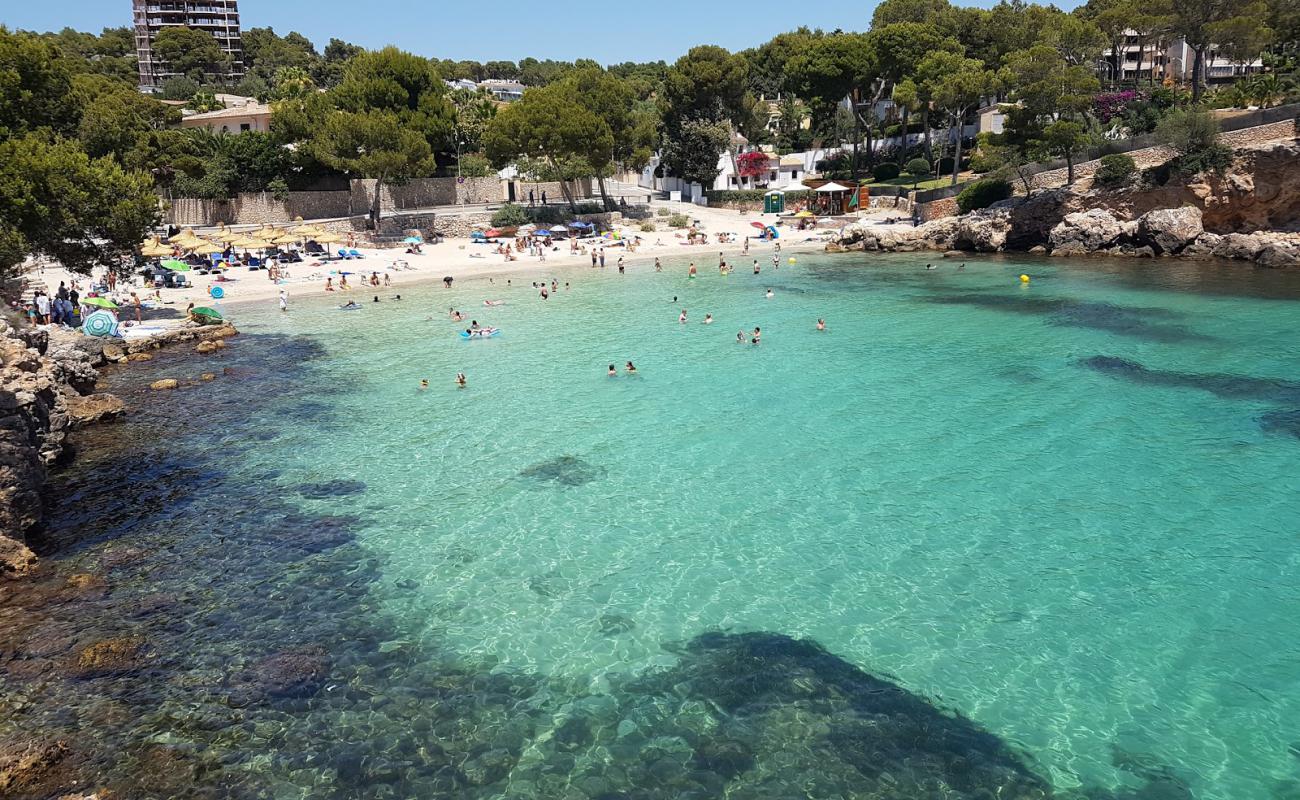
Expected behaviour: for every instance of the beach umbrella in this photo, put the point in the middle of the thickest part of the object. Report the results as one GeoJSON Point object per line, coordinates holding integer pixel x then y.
{"type": "Point", "coordinates": [758, 225]}
{"type": "Point", "coordinates": [492, 232]}
{"type": "Point", "coordinates": [176, 265]}
{"type": "Point", "coordinates": [100, 323]}
{"type": "Point", "coordinates": [413, 240]}
{"type": "Point", "coordinates": [154, 249]}
{"type": "Point", "coordinates": [204, 248]}
{"type": "Point", "coordinates": [185, 237]}
{"type": "Point", "coordinates": [247, 242]}
{"type": "Point", "coordinates": [204, 311]}
{"type": "Point", "coordinates": [329, 238]}
{"type": "Point", "coordinates": [99, 302]}
{"type": "Point", "coordinates": [285, 238]}
{"type": "Point", "coordinates": [542, 232]}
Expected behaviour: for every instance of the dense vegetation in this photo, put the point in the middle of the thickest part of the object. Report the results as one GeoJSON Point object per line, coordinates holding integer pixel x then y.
{"type": "Point", "coordinates": [70, 117]}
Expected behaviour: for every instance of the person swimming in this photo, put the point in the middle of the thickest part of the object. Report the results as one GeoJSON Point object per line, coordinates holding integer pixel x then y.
{"type": "Point", "coordinates": [613, 373]}
{"type": "Point", "coordinates": [349, 305]}
{"type": "Point", "coordinates": [740, 336]}
{"type": "Point", "coordinates": [708, 319]}
{"type": "Point", "coordinates": [962, 266]}
{"type": "Point", "coordinates": [682, 318]}
{"type": "Point", "coordinates": [757, 269]}
{"type": "Point", "coordinates": [460, 380]}
{"type": "Point", "coordinates": [758, 335]}
{"type": "Point", "coordinates": [821, 324]}
{"type": "Point", "coordinates": [929, 266]}
{"type": "Point", "coordinates": [424, 384]}
{"type": "Point", "coordinates": [769, 294]}
{"type": "Point", "coordinates": [690, 273]}
{"type": "Point", "coordinates": [631, 370]}
{"type": "Point", "coordinates": [376, 300]}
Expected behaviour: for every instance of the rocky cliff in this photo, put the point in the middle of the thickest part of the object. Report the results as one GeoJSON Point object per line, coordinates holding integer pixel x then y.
{"type": "Point", "coordinates": [47, 390]}
{"type": "Point", "coordinates": [1251, 212]}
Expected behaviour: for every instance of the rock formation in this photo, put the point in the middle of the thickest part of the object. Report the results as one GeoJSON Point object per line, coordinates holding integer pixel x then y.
{"type": "Point", "coordinates": [1250, 213]}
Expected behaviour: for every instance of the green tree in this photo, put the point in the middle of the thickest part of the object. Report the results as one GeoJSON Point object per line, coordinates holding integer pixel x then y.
{"type": "Point", "coordinates": [550, 126]}
{"type": "Point", "coordinates": [611, 99]}
{"type": "Point", "coordinates": [827, 71]}
{"type": "Point", "coordinates": [35, 87]}
{"type": "Point", "coordinates": [1064, 139]}
{"type": "Point", "coordinates": [292, 83]}
{"type": "Point", "coordinates": [373, 144]}
{"type": "Point", "coordinates": [266, 53]}
{"type": "Point", "coordinates": [1194, 135]}
{"type": "Point", "coordinates": [707, 85]}
{"type": "Point", "coordinates": [898, 49]}
{"type": "Point", "coordinates": [957, 85]}
{"type": "Point", "coordinates": [193, 53]}
{"type": "Point", "coordinates": [1198, 22]}
{"type": "Point", "coordinates": [691, 153]}
{"type": "Point", "coordinates": [114, 122]}
{"type": "Point", "coordinates": [918, 169]}
{"type": "Point", "coordinates": [57, 201]}
{"type": "Point", "coordinates": [404, 85]}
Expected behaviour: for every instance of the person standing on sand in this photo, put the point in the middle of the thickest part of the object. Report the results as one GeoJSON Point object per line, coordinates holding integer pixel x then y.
{"type": "Point", "coordinates": [135, 303]}
{"type": "Point", "coordinates": [112, 281]}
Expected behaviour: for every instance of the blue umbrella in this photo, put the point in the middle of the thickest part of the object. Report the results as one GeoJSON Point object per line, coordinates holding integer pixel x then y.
{"type": "Point", "coordinates": [581, 225]}
{"type": "Point", "coordinates": [100, 323]}
{"type": "Point", "coordinates": [542, 233]}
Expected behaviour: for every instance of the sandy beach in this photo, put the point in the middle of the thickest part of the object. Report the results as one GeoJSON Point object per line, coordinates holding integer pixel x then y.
{"type": "Point", "coordinates": [460, 259]}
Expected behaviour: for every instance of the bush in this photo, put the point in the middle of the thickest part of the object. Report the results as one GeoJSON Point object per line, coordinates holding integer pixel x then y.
{"type": "Point", "coordinates": [473, 165]}
{"type": "Point", "coordinates": [663, 212]}
{"type": "Point", "coordinates": [279, 189]}
{"type": "Point", "coordinates": [1194, 135]}
{"type": "Point", "coordinates": [509, 216]}
{"type": "Point", "coordinates": [981, 163]}
{"type": "Point", "coordinates": [1115, 170]}
{"type": "Point", "coordinates": [886, 171]}
{"type": "Point", "coordinates": [918, 169]}
{"type": "Point", "coordinates": [589, 208]}
{"type": "Point", "coordinates": [982, 194]}
{"type": "Point", "coordinates": [723, 197]}
{"type": "Point", "coordinates": [546, 215]}
{"type": "Point", "coordinates": [679, 221]}
{"type": "Point", "coordinates": [648, 227]}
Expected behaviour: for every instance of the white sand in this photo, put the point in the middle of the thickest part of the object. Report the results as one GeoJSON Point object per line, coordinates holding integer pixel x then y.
{"type": "Point", "coordinates": [456, 257]}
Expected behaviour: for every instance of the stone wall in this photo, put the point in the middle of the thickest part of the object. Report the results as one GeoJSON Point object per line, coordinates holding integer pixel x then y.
{"type": "Point", "coordinates": [1155, 156]}
{"type": "Point", "coordinates": [937, 209]}
{"type": "Point", "coordinates": [895, 203]}
{"type": "Point", "coordinates": [263, 208]}
{"type": "Point", "coordinates": [581, 189]}
{"type": "Point", "coordinates": [461, 225]}
{"type": "Point", "coordinates": [427, 193]}
{"type": "Point", "coordinates": [257, 209]}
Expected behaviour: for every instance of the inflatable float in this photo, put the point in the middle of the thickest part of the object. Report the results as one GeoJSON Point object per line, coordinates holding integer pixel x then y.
{"type": "Point", "coordinates": [481, 333]}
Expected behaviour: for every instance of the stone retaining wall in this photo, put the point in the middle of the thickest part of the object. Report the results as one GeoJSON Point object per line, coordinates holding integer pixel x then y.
{"type": "Point", "coordinates": [263, 208]}
{"type": "Point", "coordinates": [937, 209]}
{"type": "Point", "coordinates": [1155, 156]}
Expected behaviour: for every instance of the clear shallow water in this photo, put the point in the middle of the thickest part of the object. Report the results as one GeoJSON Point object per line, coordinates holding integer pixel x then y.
{"type": "Point", "coordinates": [1062, 510]}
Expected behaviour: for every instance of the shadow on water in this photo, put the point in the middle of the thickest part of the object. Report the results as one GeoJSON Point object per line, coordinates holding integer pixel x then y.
{"type": "Point", "coordinates": [1227, 386]}
{"type": "Point", "coordinates": [1107, 317]}
{"type": "Point", "coordinates": [196, 633]}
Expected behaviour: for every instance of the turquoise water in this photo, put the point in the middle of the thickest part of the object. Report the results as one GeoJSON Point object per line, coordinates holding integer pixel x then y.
{"type": "Point", "coordinates": [1065, 511]}
{"type": "Point", "coordinates": [935, 488]}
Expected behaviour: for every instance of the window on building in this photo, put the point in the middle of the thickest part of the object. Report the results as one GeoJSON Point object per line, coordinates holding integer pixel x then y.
{"type": "Point", "coordinates": [244, 126]}
{"type": "Point", "coordinates": [773, 177]}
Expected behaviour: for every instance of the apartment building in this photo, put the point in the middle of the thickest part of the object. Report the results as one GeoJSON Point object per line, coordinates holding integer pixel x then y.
{"type": "Point", "coordinates": [1159, 58]}
{"type": "Point", "coordinates": [219, 18]}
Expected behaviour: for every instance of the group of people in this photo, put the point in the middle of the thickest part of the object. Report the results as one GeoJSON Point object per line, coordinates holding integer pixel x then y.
{"type": "Point", "coordinates": [61, 309]}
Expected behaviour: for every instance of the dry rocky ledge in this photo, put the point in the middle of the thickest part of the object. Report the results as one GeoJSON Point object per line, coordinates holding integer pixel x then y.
{"type": "Point", "coordinates": [47, 390]}
{"type": "Point", "coordinates": [1249, 213]}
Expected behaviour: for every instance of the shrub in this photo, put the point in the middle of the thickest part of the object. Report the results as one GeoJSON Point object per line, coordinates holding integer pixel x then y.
{"type": "Point", "coordinates": [1115, 170]}
{"type": "Point", "coordinates": [279, 189]}
{"type": "Point", "coordinates": [886, 171]}
{"type": "Point", "coordinates": [982, 194]}
{"type": "Point", "coordinates": [679, 221]}
{"type": "Point", "coordinates": [509, 216]}
{"type": "Point", "coordinates": [663, 212]}
{"type": "Point", "coordinates": [648, 227]}
{"type": "Point", "coordinates": [723, 197]}
{"type": "Point", "coordinates": [546, 215]}
{"type": "Point", "coordinates": [589, 208]}
{"type": "Point", "coordinates": [918, 169]}
{"type": "Point", "coordinates": [982, 163]}
{"type": "Point", "coordinates": [473, 165]}
{"type": "Point", "coordinates": [1194, 135]}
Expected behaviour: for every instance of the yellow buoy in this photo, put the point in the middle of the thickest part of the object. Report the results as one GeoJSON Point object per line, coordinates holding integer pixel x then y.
{"type": "Point", "coordinates": [794, 261]}
{"type": "Point", "coordinates": [1024, 279]}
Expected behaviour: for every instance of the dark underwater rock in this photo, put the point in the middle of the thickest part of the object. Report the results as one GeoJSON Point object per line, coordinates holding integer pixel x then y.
{"type": "Point", "coordinates": [326, 490]}
{"type": "Point", "coordinates": [115, 656]}
{"type": "Point", "coordinates": [292, 673]}
{"type": "Point", "coordinates": [565, 471]}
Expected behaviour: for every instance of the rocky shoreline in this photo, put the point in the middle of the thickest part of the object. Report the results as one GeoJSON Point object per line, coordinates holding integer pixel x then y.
{"type": "Point", "coordinates": [47, 390]}
{"type": "Point", "coordinates": [1246, 214]}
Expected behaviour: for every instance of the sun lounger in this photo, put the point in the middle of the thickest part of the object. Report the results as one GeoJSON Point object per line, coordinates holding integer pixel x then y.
{"type": "Point", "coordinates": [355, 253]}
{"type": "Point", "coordinates": [344, 254]}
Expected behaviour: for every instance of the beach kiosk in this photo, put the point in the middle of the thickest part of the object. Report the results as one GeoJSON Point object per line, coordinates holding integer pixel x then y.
{"type": "Point", "coordinates": [774, 202]}
{"type": "Point", "coordinates": [833, 197]}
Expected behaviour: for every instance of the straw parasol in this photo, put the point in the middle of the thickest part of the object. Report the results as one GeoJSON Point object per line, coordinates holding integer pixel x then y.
{"type": "Point", "coordinates": [204, 248]}
{"type": "Point", "coordinates": [328, 238]}
{"type": "Point", "coordinates": [248, 241]}
{"type": "Point", "coordinates": [154, 249]}
{"type": "Point", "coordinates": [185, 238]}
{"type": "Point", "coordinates": [284, 238]}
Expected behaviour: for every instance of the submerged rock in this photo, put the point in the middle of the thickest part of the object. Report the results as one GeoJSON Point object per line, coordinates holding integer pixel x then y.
{"type": "Point", "coordinates": [94, 408]}
{"type": "Point", "coordinates": [164, 384]}
{"type": "Point", "coordinates": [110, 657]}
{"type": "Point", "coordinates": [292, 673]}
{"type": "Point", "coordinates": [565, 471]}
{"type": "Point", "coordinates": [35, 768]}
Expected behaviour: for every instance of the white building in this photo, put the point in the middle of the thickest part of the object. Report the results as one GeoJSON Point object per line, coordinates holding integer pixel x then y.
{"type": "Point", "coordinates": [1158, 59]}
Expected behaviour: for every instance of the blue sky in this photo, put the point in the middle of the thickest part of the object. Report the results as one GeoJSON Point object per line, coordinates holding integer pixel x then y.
{"type": "Point", "coordinates": [512, 29]}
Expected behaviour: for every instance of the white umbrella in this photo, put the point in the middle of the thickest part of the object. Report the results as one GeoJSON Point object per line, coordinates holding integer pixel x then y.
{"type": "Point", "coordinates": [833, 187]}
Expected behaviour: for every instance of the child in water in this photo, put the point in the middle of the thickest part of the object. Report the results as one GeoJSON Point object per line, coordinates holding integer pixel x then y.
{"type": "Point", "coordinates": [821, 324]}
{"type": "Point", "coordinates": [630, 369]}
{"type": "Point", "coordinates": [460, 380]}
{"type": "Point", "coordinates": [708, 319]}
{"type": "Point", "coordinates": [682, 318]}
{"type": "Point", "coordinates": [613, 373]}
